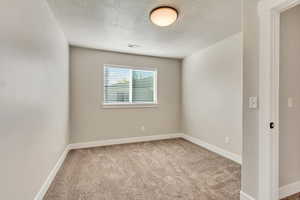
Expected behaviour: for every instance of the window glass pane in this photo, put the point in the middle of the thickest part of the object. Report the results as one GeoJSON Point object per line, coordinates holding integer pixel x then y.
{"type": "Point", "coordinates": [116, 85]}
{"type": "Point", "coordinates": [142, 86]}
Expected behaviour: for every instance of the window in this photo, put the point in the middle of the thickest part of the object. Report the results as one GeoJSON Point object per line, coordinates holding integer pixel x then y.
{"type": "Point", "coordinates": [129, 86]}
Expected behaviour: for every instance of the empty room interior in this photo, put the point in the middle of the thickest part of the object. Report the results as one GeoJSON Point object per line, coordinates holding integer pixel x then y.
{"type": "Point", "coordinates": [143, 100]}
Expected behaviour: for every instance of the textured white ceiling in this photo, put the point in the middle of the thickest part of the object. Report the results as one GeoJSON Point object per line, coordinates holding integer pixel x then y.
{"type": "Point", "coordinates": [112, 24]}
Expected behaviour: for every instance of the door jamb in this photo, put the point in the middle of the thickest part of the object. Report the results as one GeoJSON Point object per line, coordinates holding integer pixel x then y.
{"type": "Point", "coordinates": [269, 45]}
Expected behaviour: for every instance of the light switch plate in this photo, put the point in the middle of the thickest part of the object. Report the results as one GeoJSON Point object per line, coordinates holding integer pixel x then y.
{"type": "Point", "coordinates": [253, 104]}
{"type": "Point", "coordinates": [290, 102]}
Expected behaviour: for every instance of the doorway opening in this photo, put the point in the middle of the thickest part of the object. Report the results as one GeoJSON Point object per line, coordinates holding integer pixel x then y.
{"type": "Point", "coordinates": [271, 100]}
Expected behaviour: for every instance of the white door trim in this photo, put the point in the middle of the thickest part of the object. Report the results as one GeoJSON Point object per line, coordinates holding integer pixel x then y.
{"type": "Point", "coordinates": [269, 14]}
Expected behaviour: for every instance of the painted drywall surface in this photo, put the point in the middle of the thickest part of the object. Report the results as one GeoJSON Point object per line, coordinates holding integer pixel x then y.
{"type": "Point", "coordinates": [33, 97]}
{"type": "Point", "coordinates": [212, 94]}
{"type": "Point", "coordinates": [250, 88]}
{"type": "Point", "coordinates": [289, 117]}
{"type": "Point", "coordinates": [91, 122]}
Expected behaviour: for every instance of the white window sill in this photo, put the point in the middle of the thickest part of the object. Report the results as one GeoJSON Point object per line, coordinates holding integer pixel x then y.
{"type": "Point", "coordinates": [118, 106]}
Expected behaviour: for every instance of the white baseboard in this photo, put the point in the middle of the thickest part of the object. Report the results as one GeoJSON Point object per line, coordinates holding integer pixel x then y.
{"type": "Point", "coordinates": [40, 195]}
{"type": "Point", "coordinates": [244, 196]}
{"type": "Point", "coordinates": [124, 141]}
{"type": "Point", "coordinates": [289, 190]}
{"type": "Point", "coordinates": [218, 150]}
{"type": "Point", "coordinates": [232, 156]}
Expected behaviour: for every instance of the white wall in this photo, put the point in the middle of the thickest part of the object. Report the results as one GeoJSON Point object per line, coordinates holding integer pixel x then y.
{"type": "Point", "coordinates": [212, 94]}
{"type": "Point", "coordinates": [250, 88]}
{"type": "Point", "coordinates": [91, 122]}
{"type": "Point", "coordinates": [33, 97]}
{"type": "Point", "coordinates": [289, 136]}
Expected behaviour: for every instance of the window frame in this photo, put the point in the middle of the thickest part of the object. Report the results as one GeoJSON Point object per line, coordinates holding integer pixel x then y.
{"type": "Point", "coordinates": [130, 104]}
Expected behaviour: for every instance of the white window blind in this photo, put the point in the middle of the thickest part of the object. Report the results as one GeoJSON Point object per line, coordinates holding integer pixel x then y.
{"type": "Point", "coordinates": [129, 86]}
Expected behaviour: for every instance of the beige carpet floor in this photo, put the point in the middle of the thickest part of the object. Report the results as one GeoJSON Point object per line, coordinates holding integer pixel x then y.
{"type": "Point", "coordinates": [293, 197]}
{"type": "Point", "coordinates": [161, 170]}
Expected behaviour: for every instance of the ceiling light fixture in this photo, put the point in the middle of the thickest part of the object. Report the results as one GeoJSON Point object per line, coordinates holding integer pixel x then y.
{"type": "Point", "coordinates": [163, 16]}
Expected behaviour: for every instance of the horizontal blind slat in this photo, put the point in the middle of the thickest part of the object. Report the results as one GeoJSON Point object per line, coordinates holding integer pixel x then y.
{"type": "Point", "coordinates": [116, 85]}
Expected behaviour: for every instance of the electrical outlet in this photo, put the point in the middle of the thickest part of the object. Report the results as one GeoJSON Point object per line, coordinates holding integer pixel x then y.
{"type": "Point", "coordinates": [290, 102]}
{"type": "Point", "coordinates": [143, 128]}
{"type": "Point", "coordinates": [227, 140]}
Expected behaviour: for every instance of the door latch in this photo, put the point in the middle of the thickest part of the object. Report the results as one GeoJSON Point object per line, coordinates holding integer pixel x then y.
{"type": "Point", "coordinates": [272, 125]}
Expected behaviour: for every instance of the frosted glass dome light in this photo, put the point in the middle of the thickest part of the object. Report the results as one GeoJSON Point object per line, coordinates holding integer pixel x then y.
{"type": "Point", "coordinates": [163, 16]}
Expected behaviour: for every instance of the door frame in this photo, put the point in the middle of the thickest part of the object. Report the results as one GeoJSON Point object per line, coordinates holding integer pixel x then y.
{"type": "Point", "coordinates": [269, 51]}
